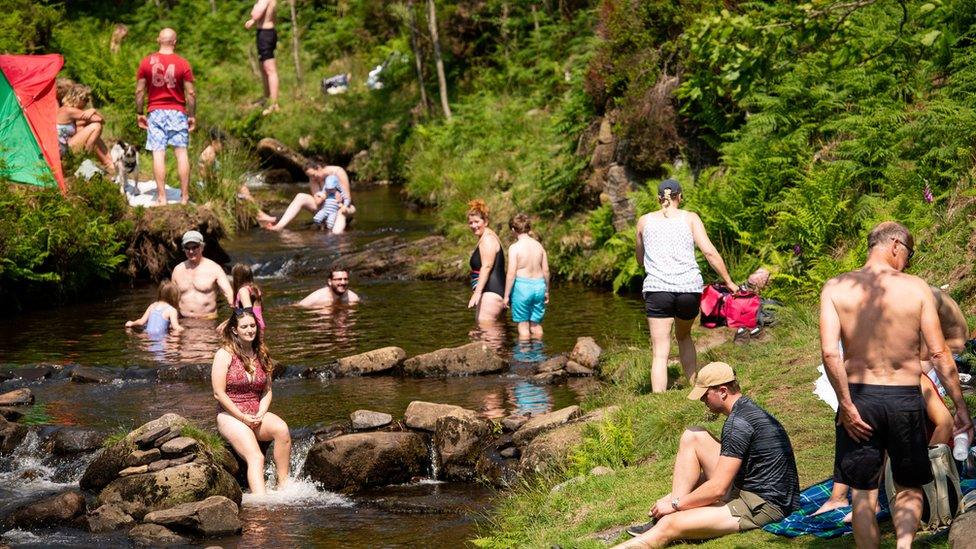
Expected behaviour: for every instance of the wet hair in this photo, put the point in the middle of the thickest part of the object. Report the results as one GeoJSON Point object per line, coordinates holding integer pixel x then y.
{"type": "Point", "coordinates": [169, 292]}
{"type": "Point", "coordinates": [241, 276]}
{"type": "Point", "coordinates": [479, 208]}
{"type": "Point", "coordinates": [78, 96]}
{"type": "Point", "coordinates": [887, 231]}
{"type": "Point", "coordinates": [520, 223]}
{"type": "Point", "coordinates": [235, 346]}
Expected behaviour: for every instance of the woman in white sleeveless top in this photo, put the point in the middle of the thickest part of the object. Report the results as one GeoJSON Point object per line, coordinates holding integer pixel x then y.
{"type": "Point", "coordinates": [666, 241]}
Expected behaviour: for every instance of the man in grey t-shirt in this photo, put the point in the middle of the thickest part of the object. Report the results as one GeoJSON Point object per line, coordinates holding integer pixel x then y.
{"type": "Point", "coordinates": [745, 481]}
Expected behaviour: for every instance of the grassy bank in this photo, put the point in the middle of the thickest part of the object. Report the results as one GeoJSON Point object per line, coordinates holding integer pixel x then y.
{"type": "Point", "coordinates": [776, 371]}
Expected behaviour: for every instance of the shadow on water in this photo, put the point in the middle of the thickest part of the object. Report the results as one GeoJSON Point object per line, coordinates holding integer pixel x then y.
{"type": "Point", "coordinates": [419, 316]}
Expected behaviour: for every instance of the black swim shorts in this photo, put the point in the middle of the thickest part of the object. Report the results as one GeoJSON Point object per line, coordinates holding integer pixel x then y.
{"type": "Point", "coordinates": [267, 42]}
{"type": "Point", "coordinates": [896, 413]}
{"type": "Point", "coordinates": [683, 305]}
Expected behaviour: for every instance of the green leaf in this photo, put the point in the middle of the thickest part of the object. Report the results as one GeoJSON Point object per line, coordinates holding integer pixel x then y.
{"type": "Point", "coordinates": [930, 37]}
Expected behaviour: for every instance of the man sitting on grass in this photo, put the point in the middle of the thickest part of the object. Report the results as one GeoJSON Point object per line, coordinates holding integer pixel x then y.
{"type": "Point", "coordinates": [744, 482]}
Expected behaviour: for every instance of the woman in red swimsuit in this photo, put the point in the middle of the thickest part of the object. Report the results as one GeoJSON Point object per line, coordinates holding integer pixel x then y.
{"type": "Point", "coordinates": [241, 379]}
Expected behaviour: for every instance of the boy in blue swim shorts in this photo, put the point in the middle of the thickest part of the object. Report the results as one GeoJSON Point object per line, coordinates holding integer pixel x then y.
{"type": "Point", "coordinates": [526, 279]}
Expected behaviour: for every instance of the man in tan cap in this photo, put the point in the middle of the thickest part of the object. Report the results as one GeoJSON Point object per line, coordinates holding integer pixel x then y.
{"type": "Point", "coordinates": [745, 481]}
{"type": "Point", "coordinates": [198, 279]}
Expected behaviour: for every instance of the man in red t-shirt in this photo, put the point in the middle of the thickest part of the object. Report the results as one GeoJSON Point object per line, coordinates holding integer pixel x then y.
{"type": "Point", "coordinates": [172, 108]}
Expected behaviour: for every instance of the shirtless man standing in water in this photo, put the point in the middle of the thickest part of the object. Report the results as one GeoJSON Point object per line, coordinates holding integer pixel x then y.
{"type": "Point", "coordinates": [263, 17]}
{"type": "Point", "coordinates": [198, 279]}
{"type": "Point", "coordinates": [882, 316]}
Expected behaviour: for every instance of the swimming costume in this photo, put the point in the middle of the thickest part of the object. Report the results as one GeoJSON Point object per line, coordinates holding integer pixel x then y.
{"type": "Point", "coordinates": [683, 305]}
{"type": "Point", "coordinates": [496, 278]}
{"type": "Point", "coordinates": [167, 127]}
{"type": "Point", "coordinates": [267, 40]}
{"type": "Point", "coordinates": [65, 132]}
{"type": "Point", "coordinates": [157, 324]}
{"type": "Point", "coordinates": [528, 299]}
{"type": "Point", "coordinates": [669, 256]}
{"type": "Point", "coordinates": [255, 305]}
{"type": "Point", "coordinates": [897, 416]}
{"type": "Point", "coordinates": [245, 393]}
{"type": "Point", "coordinates": [330, 208]}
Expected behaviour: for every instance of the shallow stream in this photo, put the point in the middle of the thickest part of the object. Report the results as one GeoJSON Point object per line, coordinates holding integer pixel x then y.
{"type": "Point", "coordinates": [418, 316]}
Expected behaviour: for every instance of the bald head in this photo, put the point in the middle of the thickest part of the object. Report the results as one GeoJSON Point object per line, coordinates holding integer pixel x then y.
{"type": "Point", "coordinates": [167, 37]}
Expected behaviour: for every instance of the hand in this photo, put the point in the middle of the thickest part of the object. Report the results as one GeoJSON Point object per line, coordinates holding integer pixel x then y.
{"type": "Point", "coordinates": [142, 122]}
{"type": "Point", "coordinates": [505, 303]}
{"type": "Point", "coordinates": [252, 421]}
{"type": "Point", "coordinates": [129, 324]}
{"type": "Point", "coordinates": [662, 507]}
{"type": "Point", "coordinates": [962, 423]}
{"type": "Point", "coordinates": [192, 121]}
{"type": "Point", "coordinates": [850, 419]}
{"type": "Point", "coordinates": [475, 299]}
{"type": "Point", "coordinates": [733, 286]}
{"type": "Point", "coordinates": [248, 24]}
{"type": "Point", "coordinates": [547, 298]}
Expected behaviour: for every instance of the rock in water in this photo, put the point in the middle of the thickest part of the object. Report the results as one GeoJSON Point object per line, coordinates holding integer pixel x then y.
{"type": "Point", "coordinates": [372, 362]}
{"type": "Point", "coordinates": [459, 440]}
{"type": "Point", "coordinates": [367, 419]}
{"type": "Point", "coordinates": [184, 373]}
{"type": "Point", "coordinates": [11, 435]}
{"type": "Point", "coordinates": [154, 535]}
{"type": "Point", "coordinates": [107, 464]}
{"type": "Point", "coordinates": [84, 374]}
{"type": "Point", "coordinates": [424, 415]}
{"type": "Point", "coordinates": [553, 364]}
{"type": "Point", "coordinates": [213, 517]}
{"type": "Point", "coordinates": [55, 510]}
{"type": "Point", "coordinates": [142, 457]}
{"type": "Point", "coordinates": [179, 445]}
{"type": "Point", "coordinates": [586, 353]}
{"type": "Point", "coordinates": [470, 359]}
{"type": "Point", "coordinates": [18, 397]}
{"type": "Point", "coordinates": [108, 518]}
{"type": "Point", "coordinates": [11, 413]}
{"type": "Point", "coordinates": [147, 492]}
{"type": "Point", "coordinates": [70, 440]}
{"type": "Point", "coordinates": [574, 368]}
{"type": "Point", "coordinates": [352, 462]}
{"type": "Point", "coordinates": [545, 422]}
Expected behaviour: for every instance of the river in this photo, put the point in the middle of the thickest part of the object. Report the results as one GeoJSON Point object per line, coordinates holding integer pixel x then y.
{"type": "Point", "coordinates": [418, 316]}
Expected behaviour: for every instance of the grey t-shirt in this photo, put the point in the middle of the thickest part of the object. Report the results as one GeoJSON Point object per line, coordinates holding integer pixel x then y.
{"type": "Point", "coordinates": [768, 466]}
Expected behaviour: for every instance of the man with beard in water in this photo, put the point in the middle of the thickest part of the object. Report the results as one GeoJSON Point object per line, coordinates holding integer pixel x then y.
{"type": "Point", "coordinates": [337, 291]}
{"type": "Point", "coordinates": [198, 278]}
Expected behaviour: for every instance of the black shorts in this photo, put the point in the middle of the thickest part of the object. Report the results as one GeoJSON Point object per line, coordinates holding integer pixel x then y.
{"type": "Point", "coordinates": [267, 42]}
{"type": "Point", "coordinates": [897, 416]}
{"type": "Point", "coordinates": [683, 305]}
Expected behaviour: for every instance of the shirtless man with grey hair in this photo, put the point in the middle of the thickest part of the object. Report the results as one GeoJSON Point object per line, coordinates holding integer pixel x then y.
{"type": "Point", "coordinates": [883, 316]}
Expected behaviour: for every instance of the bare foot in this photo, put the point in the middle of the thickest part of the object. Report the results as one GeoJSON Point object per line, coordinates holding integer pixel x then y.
{"type": "Point", "coordinates": [265, 218]}
{"type": "Point", "coordinates": [161, 201]}
{"type": "Point", "coordinates": [185, 200]}
{"type": "Point", "coordinates": [830, 505]}
{"type": "Point", "coordinates": [282, 485]}
{"type": "Point", "coordinates": [270, 226]}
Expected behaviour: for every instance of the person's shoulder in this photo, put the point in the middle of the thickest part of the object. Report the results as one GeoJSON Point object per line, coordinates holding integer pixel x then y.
{"type": "Point", "coordinates": [223, 354]}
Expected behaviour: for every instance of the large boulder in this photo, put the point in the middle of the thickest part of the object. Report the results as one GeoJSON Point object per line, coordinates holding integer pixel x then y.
{"type": "Point", "coordinates": [17, 397]}
{"type": "Point", "coordinates": [11, 435]}
{"type": "Point", "coordinates": [368, 419]}
{"type": "Point", "coordinates": [107, 464]}
{"type": "Point", "coordinates": [586, 353]}
{"type": "Point", "coordinates": [74, 440]}
{"type": "Point", "coordinates": [473, 358]}
{"type": "Point", "coordinates": [497, 465]}
{"type": "Point", "coordinates": [371, 362]}
{"type": "Point", "coordinates": [108, 518]}
{"type": "Point", "coordinates": [962, 533]}
{"type": "Point", "coordinates": [545, 422]}
{"type": "Point", "coordinates": [143, 493]}
{"type": "Point", "coordinates": [424, 415]}
{"type": "Point", "coordinates": [59, 509]}
{"type": "Point", "coordinates": [459, 440]}
{"type": "Point", "coordinates": [213, 517]}
{"type": "Point", "coordinates": [552, 448]}
{"type": "Point", "coordinates": [154, 535]}
{"type": "Point", "coordinates": [351, 462]}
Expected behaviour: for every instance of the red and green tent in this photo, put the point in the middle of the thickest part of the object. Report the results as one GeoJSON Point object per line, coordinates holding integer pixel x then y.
{"type": "Point", "coordinates": [28, 106]}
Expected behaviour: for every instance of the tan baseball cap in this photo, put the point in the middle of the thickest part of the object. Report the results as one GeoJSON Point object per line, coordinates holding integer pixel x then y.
{"type": "Point", "coordinates": [714, 373]}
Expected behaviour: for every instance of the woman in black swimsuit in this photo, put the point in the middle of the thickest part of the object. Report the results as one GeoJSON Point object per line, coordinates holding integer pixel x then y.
{"type": "Point", "coordinates": [487, 266]}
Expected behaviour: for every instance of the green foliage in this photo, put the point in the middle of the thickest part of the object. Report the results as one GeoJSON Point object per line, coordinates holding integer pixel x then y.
{"type": "Point", "coordinates": [610, 444]}
{"type": "Point", "coordinates": [26, 26]}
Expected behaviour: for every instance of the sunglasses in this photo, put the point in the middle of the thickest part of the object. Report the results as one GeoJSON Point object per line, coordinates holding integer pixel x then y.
{"type": "Point", "coordinates": [911, 252]}
{"type": "Point", "coordinates": [191, 247]}
{"type": "Point", "coordinates": [241, 311]}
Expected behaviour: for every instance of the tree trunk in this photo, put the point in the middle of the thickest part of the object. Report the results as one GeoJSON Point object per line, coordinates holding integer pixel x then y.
{"type": "Point", "coordinates": [418, 61]}
{"type": "Point", "coordinates": [213, 6]}
{"type": "Point", "coordinates": [441, 79]}
{"type": "Point", "coordinates": [295, 44]}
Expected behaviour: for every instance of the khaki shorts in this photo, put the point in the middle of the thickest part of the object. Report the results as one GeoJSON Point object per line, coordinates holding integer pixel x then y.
{"type": "Point", "coordinates": [753, 511]}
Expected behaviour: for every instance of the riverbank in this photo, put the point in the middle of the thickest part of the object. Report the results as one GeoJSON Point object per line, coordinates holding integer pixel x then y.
{"type": "Point", "coordinates": [777, 371]}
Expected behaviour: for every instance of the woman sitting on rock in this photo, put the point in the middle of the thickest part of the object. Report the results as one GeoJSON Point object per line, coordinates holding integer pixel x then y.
{"type": "Point", "coordinates": [241, 379]}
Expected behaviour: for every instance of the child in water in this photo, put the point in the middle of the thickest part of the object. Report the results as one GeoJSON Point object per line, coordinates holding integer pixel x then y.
{"type": "Point", "coordinates": [164, 313]}
{"type": "Point", "coordinates": [246, 292]}
{"type": "Point", "coordinates": [526, 280]}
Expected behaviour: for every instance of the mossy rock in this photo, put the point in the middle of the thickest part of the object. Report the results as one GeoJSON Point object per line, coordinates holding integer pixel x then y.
{"type": "Point", "coordinates": [154, 246]}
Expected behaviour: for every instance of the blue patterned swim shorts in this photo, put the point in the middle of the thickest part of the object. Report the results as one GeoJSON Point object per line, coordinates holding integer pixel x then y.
{"type": "Point", "coordinates": [167, 127]}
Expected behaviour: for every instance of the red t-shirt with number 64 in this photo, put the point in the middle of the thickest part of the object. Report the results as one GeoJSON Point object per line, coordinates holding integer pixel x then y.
{"type": "Point", "coordinates": [164, 74]}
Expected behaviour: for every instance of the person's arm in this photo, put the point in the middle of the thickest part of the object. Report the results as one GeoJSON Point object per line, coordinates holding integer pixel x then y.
{"type": "Point", "coordinates": [315, 299]}
{"type": "Point", "coordinates": [707, 493]}
{"type": "Point", "coordinates": [141, 320]}
{"type": "Point", "coordinates": [174, 320]}
{"type": "Point", "coordinates": [639, 242]}
{"type": "Point", "coordinates": [353, 296]}
{"type": "Point", "coordinates": [218, 381]}
{"type": "Point", "coordinates": [344, 185]}
{"type": "Point", "coordinates": [190, 93]}
{"type": "Point", "coordinates": [265, 403]}
{"type": "Point", "coordinates": [257, 13]}
{"type": "Point", "coordinates": [830, 334]}
{"type": "Point", "coordinates": [545, 272]}
{"type": "Point", "coordinates": [244, 296]}
{"type": "Point", "coordinates": [141, 103]}
{"type": "Point", "coordinates": [709, 251]}
{"type": "Point", "coordinates": [510, 273]}
{"type": "Point", "coordinates": [945, 366]}
{"type": "Point", "coordinates": [486, 249]}
{"type": "Point", "coordinates": [225, 286]}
